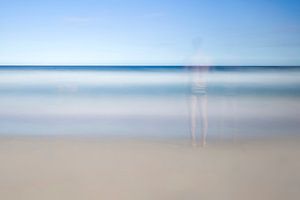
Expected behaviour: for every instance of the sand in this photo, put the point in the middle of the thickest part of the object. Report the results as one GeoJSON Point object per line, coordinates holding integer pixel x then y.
{"type": "Point", "coordinates": [93, 168]}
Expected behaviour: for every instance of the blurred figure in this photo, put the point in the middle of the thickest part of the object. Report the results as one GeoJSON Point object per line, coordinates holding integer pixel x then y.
{"type": "Point", "coordinates": [198, 70]}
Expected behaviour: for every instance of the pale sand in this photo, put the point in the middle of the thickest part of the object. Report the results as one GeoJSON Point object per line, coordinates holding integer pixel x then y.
{"type": "Point", "coordinates": [71, 169]}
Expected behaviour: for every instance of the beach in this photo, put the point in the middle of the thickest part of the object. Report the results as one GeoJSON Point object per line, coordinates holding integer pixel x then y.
{"type": "Point", "coordinates": [149, 100]}
{"type": "Point", "coordinates": [122, 168]}
{"type": "Point", "coordinates": [77, 133]}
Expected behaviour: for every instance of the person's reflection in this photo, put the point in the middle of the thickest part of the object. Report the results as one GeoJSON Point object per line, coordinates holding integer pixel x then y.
{"type": "Point", "coordinates": [198, 96]}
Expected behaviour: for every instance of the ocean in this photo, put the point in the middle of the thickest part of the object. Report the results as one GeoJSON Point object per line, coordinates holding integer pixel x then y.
{"type": "Point", "coordinates": [149, 101]}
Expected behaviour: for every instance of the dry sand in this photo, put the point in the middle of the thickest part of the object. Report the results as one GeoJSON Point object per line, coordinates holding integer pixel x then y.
{"type": "Point", "coordinates": [71, 169]}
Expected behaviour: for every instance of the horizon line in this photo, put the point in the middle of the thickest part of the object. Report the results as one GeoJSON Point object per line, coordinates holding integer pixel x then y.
{"type": "Point", "coordinates": [127, 65]}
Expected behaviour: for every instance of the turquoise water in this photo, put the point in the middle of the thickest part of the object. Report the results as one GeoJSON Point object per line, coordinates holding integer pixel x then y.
{"type": "Point", "coordinates": [148, 101]}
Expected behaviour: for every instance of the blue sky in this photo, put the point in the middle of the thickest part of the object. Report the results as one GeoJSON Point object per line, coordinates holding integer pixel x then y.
{"type": "Point", "coordinates": [153, 32]}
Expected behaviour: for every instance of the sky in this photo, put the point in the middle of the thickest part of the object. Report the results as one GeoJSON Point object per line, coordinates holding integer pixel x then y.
{"type": "Point", "coordinates": [152, 32]}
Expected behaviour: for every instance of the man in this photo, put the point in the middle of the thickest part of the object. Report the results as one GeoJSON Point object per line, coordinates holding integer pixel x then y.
{"type": "Point", "coordinates": [198, 70]}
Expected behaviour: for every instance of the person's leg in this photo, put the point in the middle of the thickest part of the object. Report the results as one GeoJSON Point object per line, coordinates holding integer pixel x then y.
{"type": "Point", "coordinates": [193, 115]}
{"type": "Point", "coordinates": [234, 116]}
{"type": "Point", "coordinates": [203, 117]}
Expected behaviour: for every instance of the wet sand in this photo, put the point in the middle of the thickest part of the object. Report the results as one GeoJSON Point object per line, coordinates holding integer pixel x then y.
{"type": "Point", "coordinates": [94, 168]}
